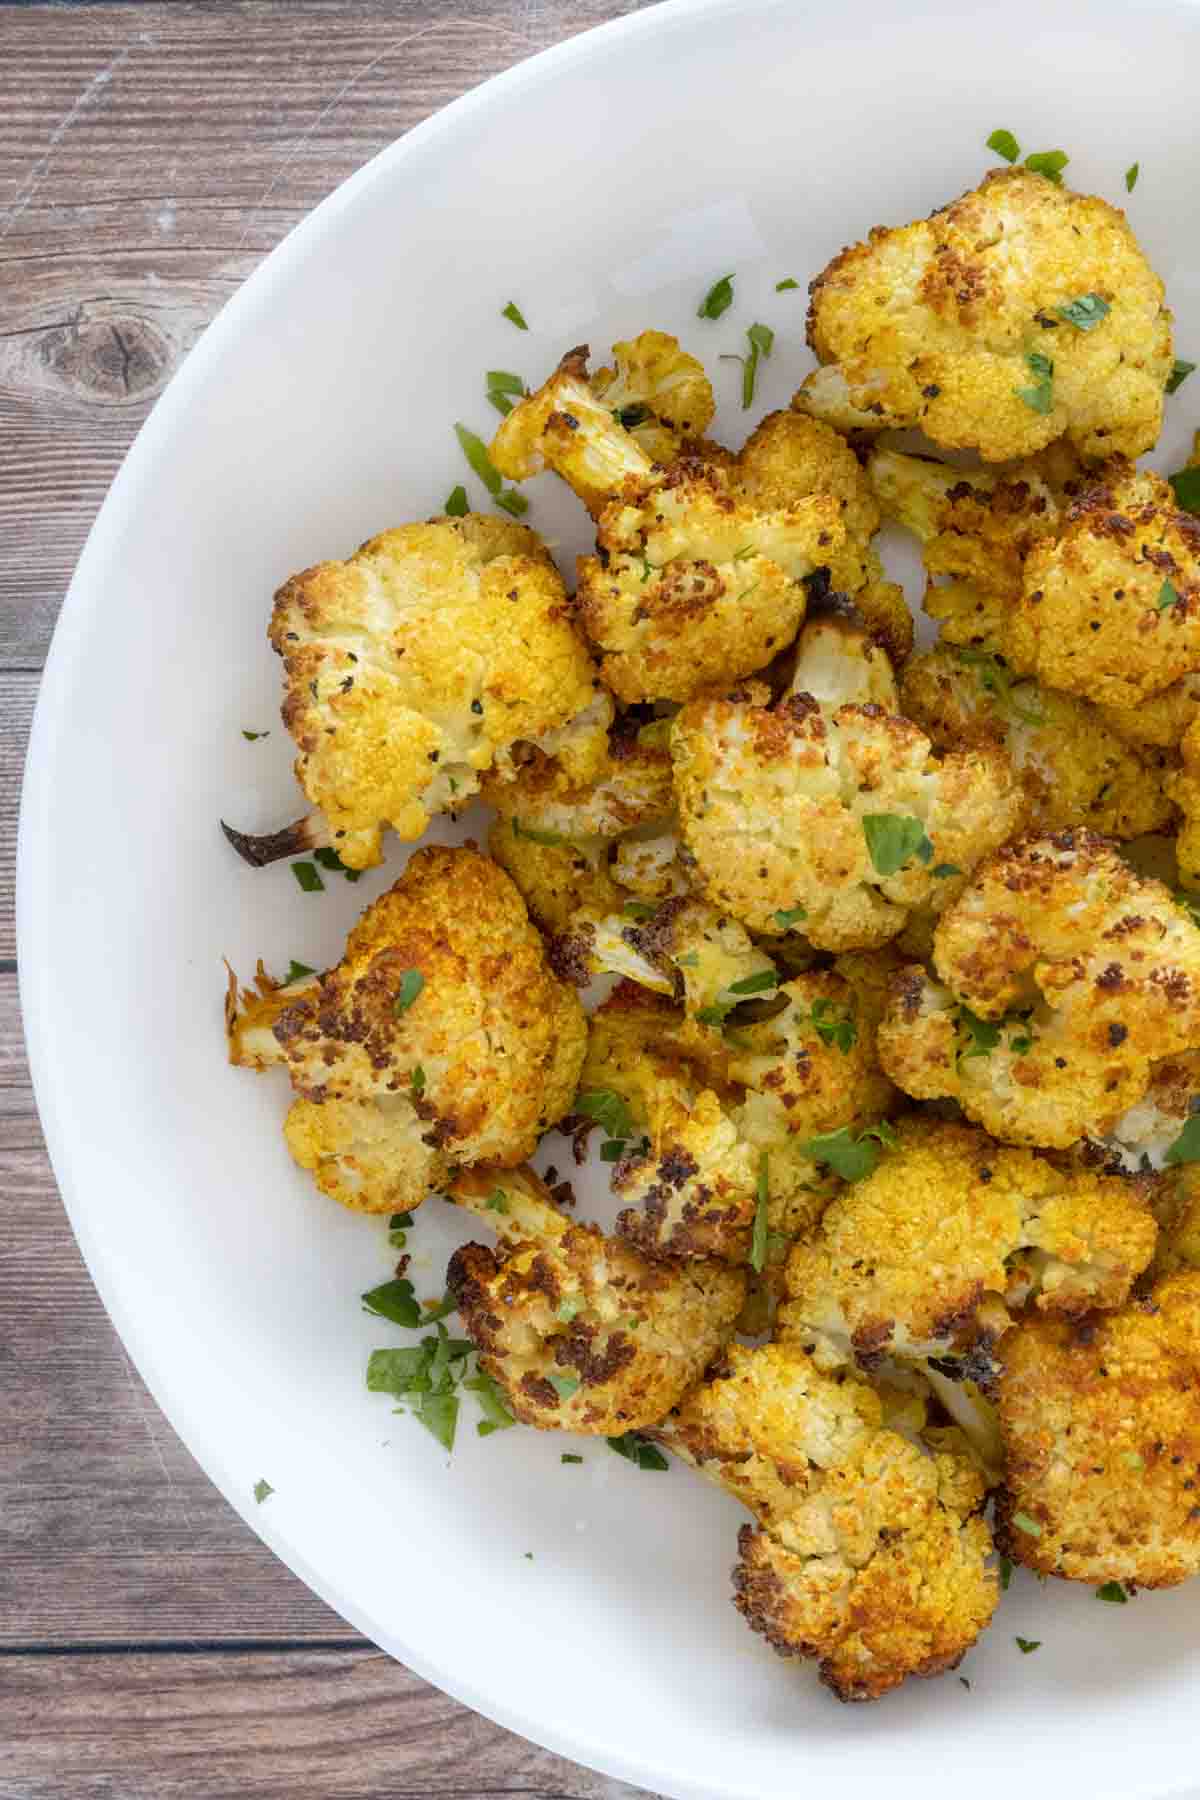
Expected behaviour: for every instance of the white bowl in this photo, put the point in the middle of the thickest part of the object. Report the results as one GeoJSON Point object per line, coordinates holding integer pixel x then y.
{"type": "Point", "coordinates": [603, 186]}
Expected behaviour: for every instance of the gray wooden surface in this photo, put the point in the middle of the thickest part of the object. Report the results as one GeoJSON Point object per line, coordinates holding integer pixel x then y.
{"type": "Point", "coordinates": [150, 155]}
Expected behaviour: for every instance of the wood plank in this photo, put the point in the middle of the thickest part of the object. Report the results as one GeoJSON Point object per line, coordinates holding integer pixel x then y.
{"type": "Point", "coordinates": [18, 691]}
{"type": "Point", "coordinates": [149, 156]}
{"type": "Point", "coordinates": [345, 1725]}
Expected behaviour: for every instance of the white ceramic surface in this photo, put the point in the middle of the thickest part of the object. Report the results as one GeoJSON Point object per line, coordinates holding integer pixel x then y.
{"type": "Point", "coordinates": [603, 186]}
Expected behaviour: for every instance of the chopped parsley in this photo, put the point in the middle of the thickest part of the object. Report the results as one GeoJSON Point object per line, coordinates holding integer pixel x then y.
{"type": "Point", "coordinates": [396, 1301]}
{"type": "Point", "coordinates": [513, 312]}
{"type": "Point", "coordinates": [1168, 595]}
{"type": "Point", "coordinates": [781, 287]}
{"type": "Point", "coordinates": [981, 1035]}
{"type": "Point", "coordinates": [537, 837]}
{"type": "Point", "coordinates": [1113, 1592]}
{"type": "Point", "coordinates": [608, 1109]}
{"type": "Point", "coordinates": [849, 1156]}
{"type": "Point", "coordinates": [502, 387]}
{"type": "Point", "coordinates": [416, 1080]}
{"type": "Point", "coordinates": [252, 736]}
{"type": "Point", "coordinates": [713, 1015]}
{"type": "Point", "coordinates": [1186, 1148]}
{"type": "Point", "coordinates": [893, 840]}
{"type": "Point", "coordinates": [1085, 313]}
{"type": "Point", "coordinates": [1040, 397]}
{"type": "Point", "coordinates": [510, 501]}
{"type": "Point", "coordinates": [792, 916]}
{"type": "Point", "coordinates": [496, 1416]}
{"type": "Point", "coordinates": [639, 909]}
{"type": "Point", "coordinates": [564, 1385]}
{"type": "Point", "coordinates": [262, 1491]}
{"type": "Point", "coordinates": [761, 340]}
{"type": "Point", "coordinates": [310, 881]}
{"type": "Point", "coordinates": [1180, 371]}
{"type": "Point", "coordinates": [456, 503]}
{"type": "Point", "coordinates": [329, 859]}
{"type": "Point", "coordinates": [1027, 1646]}
{"type": "Point", "coordinates": [995, 678]}
{"type": "Point", "coordinates": [568, 1458]}
{"type": "Point", "coordinates": [1186, 488]}
{"type": "Point", "coordinates": [400, 1221]}
{"type": "Point", "coordinates": [1049, 163]}
{"type": "Point", "coordinates": [440, 1309]}
{"type": "Point", "coordinates": [944, 870]}
{"type": "Point", "coordinates": [411, 983]}
{"type": "Point", "coordinates": [755, 984]}
{"type": "Point", "coordinates": [718, 299]}
{"type": "Point", "coordinates": [1131, 175]}
{"type": "Point", "coordinates": [758, 1237]}
{"type": "Point", "coordinates": [635, 1449]}
{"type": "Point", "coordinates": [567, 1310]}
{"type": "Point", "coordinates": [1029, 1526]}
{"type": "Point", "coordinates": [497, 1201]}
{"type": "Point", "coordinates": [1006, 1573]}
{"type": "Point", "coordinates": [1189, 902]}
{"type": "Point", "coordinates": [296, 971]}
{"type": "Point", "coordinates": [613, 1149]}
{"type": "Point", "coordinates": [1005, 145]}
{"type": "Point", "coordinates": [834, 1025]}
{"type": "Point", "coordinates": [475, 451]}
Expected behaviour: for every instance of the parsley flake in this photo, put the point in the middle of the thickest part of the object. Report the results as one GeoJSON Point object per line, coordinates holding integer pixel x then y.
{"type": "Point", "coordinates": [510, 501]}
{"type": "Point", "coordinates": [982, 1035]}
{"type": "Point", "coordinates": [501, 387]}
{"type": "Point", "coordinates": [1131, 175]}
{"type": "Point", "coordinates": [834, 1025]}
{"type": "Point", "coordinates": [310, 881]}
{"type": "Point", "coordinates": [1027, 1646]}
{"type": "Point", "coordinates": [1040, 397]}
{"type": "Point", "coordinates": [781, 287]}
{"type": "Point", "coordinates": [567, 1310]}
{"type": "Point", "coordinates": [534, 836]}
{"type": "Point", "coordinates": [394, 1300]}
{"type": "Point", "coordinates": [253, 736]}
{"type": "Point", "coordinates": [329, 859]}
{"type": "Point", "coordinates": [296, 971]}
{"type": "Point", "coordinates": [1049, 163]}
{"type": "Point", "coordinates": [792, 916]}
{"type": "Point", "coordinates": [1168, 595]}
{"type": "Point", "coordinates": [761, 340]}
{"type": "Point", "coordinates": [718, 299]}
{"type": "Point", "coordinates": [758, 1237]}
{"type": "Point", "coordinates": [1029, 1526]}
{"type": "Point", "coordinates": [995, 678]}
{"type": "Point", "coordinates": [755, 984]}
{"type": "Point", "coordinates": [1113, 1592]}
{"type": "Point", "coordinates": [411, 983]}
{"type": "Point", "coordinates": [943, 871]}
{"type": "Point", "coordinates": [893, 840]}
{"type": "Point", "coordinates": [476, 453]}
{"type": "Point", "coordinates": [456, 503]}
{"type": "Point", "coordinates": [1005, 145]}
{"type": "Point", "coordinates": [1186, 488]}
{"type": "Point", "coordinates": [496, 1416]}
{"type": "Point", "coordinates": [416, 1080]}
{"type": "Point", "coordinates": [1085, 313]}
{"type": "Point", "coordinates": [1180, 371]}
{"type": "Point", "coordinates": [1006, 1573]}
{"type": "Point", "coordinates": [849, 1156]}
{"type": "Point", "coordinates": [497, 1201]}
{"type": "Point", "coordinates": [513, 312]}
{"type": "Point", "coordinates": [608, 1109]}
{"type": "Point", "coordinates": [1186, 1148]}
{"type": "Point", "coordinates": [568, 1458]}
{"type": "Point", "coordinates": [262, 1491]}
{"type": "Point", "coordinates": [635, 1449]}
{"type": "Point", "coordinates": [564, 1385]}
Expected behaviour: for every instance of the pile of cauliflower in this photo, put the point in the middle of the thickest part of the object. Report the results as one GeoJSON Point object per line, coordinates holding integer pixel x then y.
{"type": "Point", "coordinates": [890, 955]}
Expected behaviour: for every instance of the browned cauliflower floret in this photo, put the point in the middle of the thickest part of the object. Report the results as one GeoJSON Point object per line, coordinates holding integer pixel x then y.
{"type": "Point", "coordinates": [419, 663]}
{"type": "Point", "coordinates": [558, 881]}
{"type": "Point", "coordinates": [580, 1331]}
{"type": "Point", "coordinates": [630, 786]}
{"type": "Point", "coordinates": [1101, 1422]}
{"type": "Point", "coordinates": [442, 1021]}
{"type": "Point", "coordinates": [603, 431]}
{"type": "Point", "coordinates": [1066, 976]}
{"type": "Point", "coordinates": [1016, 314]}
{"type": "Point", "coordinates": [836, 816]}
{"type": "Point", "coordinates": [919, 1258]}
{"type": "Point", "coordinates": [868, 1555]}
{"type": "Point", "coordinates": [789, 455]}
{"type": "Point", "coordinates": [694, 586]}
{"type": "Point", "coordinates": [1073, 766]}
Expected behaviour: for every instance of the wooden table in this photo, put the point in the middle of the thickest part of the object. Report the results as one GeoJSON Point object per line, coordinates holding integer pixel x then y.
{"type": "Point", "coordinates": [150, 155]}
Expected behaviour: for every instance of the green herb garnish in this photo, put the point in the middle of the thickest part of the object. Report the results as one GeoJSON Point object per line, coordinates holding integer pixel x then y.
{"type": "Point", "coordinates": [1006, 1573]}
{"type": "Point", "coordinates": [512, 311]}
{"type": "Point", "coordinates": [441, 1309]}
{"type": "Point", "coordinates": [329, 859]}
{"type": "Point", "coordinates": [1168, 595]}
{"type": "Point", "coordinates": [834, 1025]}
{"type": "Point", "coordinates": [400, 1221]}
{"type": "Point", "coordinates": [758, 1237]}
{"type": "Point", "coordinates": [1186, 488]}
{"type": "Point", "coordinates": [995, 678]}
{"type": "Point", "coordinates": [510, 501]}
{"type": "Point", "coordinates": [1180, 371]}
{"type": "Point", "coordinates": [943, 871]}
{"type": "Point", "coordinates": [564, 1385]}
{"type": "Point", "coordinates": [849, 1156]}
{"type": "Point", "coordinates": [608, 1109]}
{"type": "Point", "coordinates": [567, 1310]}
{"type": "Point", "coordinates": [1040, 397]}
{"type": "Point", "coordinates": [456, 505]}
{"type": "Point", "coordinates": [982, 1035]}
{"type": "Point", "coordinates": [296, 971]}
{"type": "Point", "coordinates": [718, 299]}
{"type": "Point", "coordinates": [568, 1458]}
{"type": "Point", "coordinates": [396, 1301]}
{"type": "Point", "coordinates": [262, 1491]}
{"type": "Point", "coordinates": [253, 736]}
{"type": "Point", "coordinates": [497, 1201]}
{"type": "Point", "coordinates": [893, 840]}
{"type": "Point", "coordinates": [1029, 1526]}
{"type": "Point", "coordinates": [1005, 145]}
{"type": "Point", "coordinates": [761, 340]}
{"type": "Point", "coordinates": [634, 1448]}
{"type": "Point", "coordinates": [755, 984]}
{"type": "Point", "coordinates": [475, 451]}
{"type": "Point", "coordinates": [537, 837]}
{"type": "Point", "coordinates": [501, 386]}
{"type": "Point", "coordinates": [1186, 1148]}
{"type": "Point", "coordinates": [1113, 1592]}
{"type": "Point", "coordinates": [1085, 313]}
{"type": "Point", "coordinates": [781, 287]}
{"type": "Point", "coordinates": [1049, 163]}
{"type": "Point", "coordinates": [792, 916]}
{"type": "Point", "coordinates": [496, 1416]}
{"type": "Point", "coordinates": [306, 874]}
{"type": "Point", "coordinates": [416, 1081]}
{"type": "Point", "coordinates": [1131, 175]}
{"type": "Point", "coordinates": [411, 983]}
{"type": "Point", "coordinates": [1028, 1645]}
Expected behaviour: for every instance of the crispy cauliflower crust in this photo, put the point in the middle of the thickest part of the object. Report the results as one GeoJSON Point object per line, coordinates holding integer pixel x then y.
{"type": "Point", "coordinates": [580, 1331]}
{"type": "Point", "coordinates": [933, 324]}
{"type": "Point", "coordinates": [469, 1063]}
{"type": "Point", "coordinates": [869, 1556]}
{"type": "Point", "coordinates": [1101, 1422]}
{"type": "Point", "coordinates": [1073, 766]}
{"type": "Point", "coordinates": [419, 663]}
{"type": "Point", "coordinates": [917, 1259]}
{"type": "Point", "coordinates": [693, 586]}
{"type": "Point", "coordinates": [1087, 972]}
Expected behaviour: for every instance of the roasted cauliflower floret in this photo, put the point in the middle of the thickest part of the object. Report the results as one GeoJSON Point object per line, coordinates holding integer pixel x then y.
{"type": "Point", "coordinates": [840, 817]}
{"type": "Point", "coordinates": [1073, 766]}
{"type": "Point", "coordinates": [606, 431]}
{"type": "Point", "coordinates": [419, 663]}
{"type": "Point", "coordinates": [1064, 977]}
{"type": "Point", "coordinates": [559, 881]}
{"type": "Point", "coordinates": [442, 1020]}
{"type": "Point", "coordinates": [580, 1331]}
{"type": "Point", "coordinates": [693, 586]}
{"type": "Point", "coordinates": [1101, 1421]}
{"type": "Point", "coordinates": [1017, 314]}
{"type": "Point", "coordinates": [1144, 1138]}
{"type": "Point", "coordinates": [629, 787]}
{"type": "Point", "coordinates": [918, 1258]}
{"type": "Point", "coordinates": [869, 1556]}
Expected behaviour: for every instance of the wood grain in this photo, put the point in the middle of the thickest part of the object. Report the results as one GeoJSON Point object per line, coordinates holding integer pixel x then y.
{"type": "Point", "coordinates": [341, 1724]}
{"type": "Point", "coordinates": [150, 154]}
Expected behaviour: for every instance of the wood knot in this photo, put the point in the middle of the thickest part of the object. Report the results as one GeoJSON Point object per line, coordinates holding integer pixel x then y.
{"type": "Point", "coordinates": [108, 359]}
